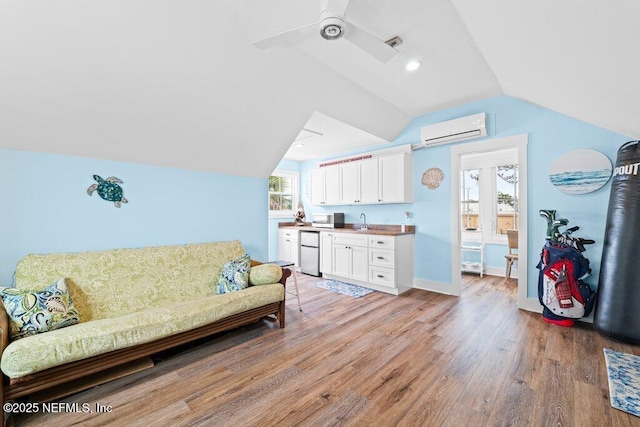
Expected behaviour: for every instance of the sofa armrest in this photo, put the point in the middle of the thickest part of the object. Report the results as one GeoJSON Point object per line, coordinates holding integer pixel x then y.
{"type": "Point", "coordinates": [285, 273]}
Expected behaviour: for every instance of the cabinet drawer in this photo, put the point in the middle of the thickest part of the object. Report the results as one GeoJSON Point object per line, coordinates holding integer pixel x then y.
{"type": "Point", "coordinates": [381, 257]}
{"type": "Point", "coordinates": [349, 239]}
{"type": "Point", "coordinates": [382, 276]}
{"type": "Point", "coordinates": [382, 242]}
{"type": "Point", "coordinates": [289, 234]}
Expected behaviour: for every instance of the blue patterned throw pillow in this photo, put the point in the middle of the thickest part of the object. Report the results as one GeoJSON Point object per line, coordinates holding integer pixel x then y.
{"type": "Point", "coordinates": [33, 312]}
{"type": "Point", "coordinates": [235, 275]}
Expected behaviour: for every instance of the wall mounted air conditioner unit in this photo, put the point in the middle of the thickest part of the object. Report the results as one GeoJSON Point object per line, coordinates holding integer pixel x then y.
{"type": "Point", "coordinates": [454, 130]}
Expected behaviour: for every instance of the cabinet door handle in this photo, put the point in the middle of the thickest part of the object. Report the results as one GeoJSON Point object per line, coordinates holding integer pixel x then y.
{"type": "Point", "coordinates": [380, 243]}
{"type": "Point", "coordinates": [380, 257]}
{"type": "Point", "coordinates": [381, 276]}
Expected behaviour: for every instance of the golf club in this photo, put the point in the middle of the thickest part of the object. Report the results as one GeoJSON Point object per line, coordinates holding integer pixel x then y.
{"type": "Point", "coordinates": [550, 216]}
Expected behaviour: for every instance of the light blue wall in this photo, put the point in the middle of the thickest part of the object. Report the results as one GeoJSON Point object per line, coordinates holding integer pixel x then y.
{"type": "Point", "coordinates": [550, 135]}
{"type": "Point", "coordinates": [288, 165]}
{"type": "Point", "coordinates": [45, 207]}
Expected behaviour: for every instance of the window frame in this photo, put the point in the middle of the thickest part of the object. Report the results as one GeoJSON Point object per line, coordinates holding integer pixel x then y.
{"type": "Point", "coordinates": [295, 194]}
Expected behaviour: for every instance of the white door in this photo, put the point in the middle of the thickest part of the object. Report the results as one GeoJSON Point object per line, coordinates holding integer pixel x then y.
{"type": "Point", "coordinates": [459, 153]}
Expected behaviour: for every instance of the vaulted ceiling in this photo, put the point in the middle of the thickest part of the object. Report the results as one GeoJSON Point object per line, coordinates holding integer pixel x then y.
{"type": "Point", "coordinates": [178, 82]}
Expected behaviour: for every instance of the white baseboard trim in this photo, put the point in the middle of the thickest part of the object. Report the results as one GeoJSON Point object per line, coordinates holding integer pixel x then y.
{"type": "Point", "coordinates": [428, 285]}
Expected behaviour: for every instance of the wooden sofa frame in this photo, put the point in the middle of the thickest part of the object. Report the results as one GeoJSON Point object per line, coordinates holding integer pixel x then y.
{"type": "Point", "coordinates": [11, 389]}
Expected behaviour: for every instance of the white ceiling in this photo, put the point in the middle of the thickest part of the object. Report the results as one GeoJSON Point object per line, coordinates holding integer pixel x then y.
{"type": "Point", "coordinates": [178, 83]}
{"type": "Point", "coordinates": [323, 136]}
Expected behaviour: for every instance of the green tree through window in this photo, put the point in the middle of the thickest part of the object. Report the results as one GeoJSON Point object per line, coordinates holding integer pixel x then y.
{"type": "Point", "coordinates": [282, 192]}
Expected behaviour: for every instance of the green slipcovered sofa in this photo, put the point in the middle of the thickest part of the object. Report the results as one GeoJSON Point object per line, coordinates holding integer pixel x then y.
{"type": "Point", "coordinates": [131, 303]}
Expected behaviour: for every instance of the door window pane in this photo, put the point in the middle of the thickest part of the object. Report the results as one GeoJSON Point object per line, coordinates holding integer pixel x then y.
{"type": "Point", "coordinates": [506, 198]}
{"type": "Point", "coordinates": [470, 200]}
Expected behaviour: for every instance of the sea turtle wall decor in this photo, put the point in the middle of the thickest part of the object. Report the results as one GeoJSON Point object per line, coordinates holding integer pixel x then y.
{"type": "Point", "coordinates": [108, 189]}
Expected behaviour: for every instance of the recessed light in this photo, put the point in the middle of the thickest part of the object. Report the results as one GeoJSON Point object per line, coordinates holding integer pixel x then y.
{"type": "Point", "coordinates": [298, 145]}
{"type": "Point", "coordinates": [413, 65]}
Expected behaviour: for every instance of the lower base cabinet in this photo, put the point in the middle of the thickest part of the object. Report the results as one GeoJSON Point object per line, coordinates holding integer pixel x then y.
{"type": "Point", "coordinates": [383, 263]}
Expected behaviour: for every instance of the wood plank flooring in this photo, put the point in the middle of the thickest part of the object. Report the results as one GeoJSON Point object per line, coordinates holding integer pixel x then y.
{"type": "Point", "coordinates": [419, 359]}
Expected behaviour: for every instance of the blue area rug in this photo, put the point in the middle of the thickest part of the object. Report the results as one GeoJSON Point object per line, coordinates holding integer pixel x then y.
{"type": "Point", "coordinates": [344, 288]}
{"type": "Point", "coordinates": [623, 371]}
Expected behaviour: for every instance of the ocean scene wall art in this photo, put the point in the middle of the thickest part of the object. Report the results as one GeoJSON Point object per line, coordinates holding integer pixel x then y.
{"type": "Point", "coordinates": [580, 171]}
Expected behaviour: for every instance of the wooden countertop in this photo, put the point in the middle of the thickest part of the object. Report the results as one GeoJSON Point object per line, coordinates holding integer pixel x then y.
{"type": "Point", "coordinates": [375, 229]}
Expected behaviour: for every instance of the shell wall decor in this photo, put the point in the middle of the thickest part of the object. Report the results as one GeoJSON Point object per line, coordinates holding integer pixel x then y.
{"type": "Point", "coordinates": [432, 178]}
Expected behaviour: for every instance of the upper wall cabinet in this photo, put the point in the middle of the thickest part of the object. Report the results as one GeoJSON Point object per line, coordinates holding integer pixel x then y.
{"type": "Point", "coordinates": [360, 182]}
{"type": "Point", "coordinates": [382, 179]}
{"type": "Point", "coordinates": [325, 185]}
{"type": "Point", "coordinates": [395, 177]}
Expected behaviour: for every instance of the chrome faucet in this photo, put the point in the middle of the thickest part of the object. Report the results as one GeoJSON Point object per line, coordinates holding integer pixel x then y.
{"type": "Point", "coordinates": [363, 224]}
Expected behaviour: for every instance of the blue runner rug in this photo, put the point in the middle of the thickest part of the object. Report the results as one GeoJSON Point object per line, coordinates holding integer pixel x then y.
{"type": "Point", "coordinates": [344, 288]}
{"type": "Point", "coordinates": [623, 371]}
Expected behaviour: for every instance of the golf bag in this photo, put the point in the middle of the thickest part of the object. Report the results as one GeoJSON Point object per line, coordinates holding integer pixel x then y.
{"type": "Point", "coordinates": [561, 289]}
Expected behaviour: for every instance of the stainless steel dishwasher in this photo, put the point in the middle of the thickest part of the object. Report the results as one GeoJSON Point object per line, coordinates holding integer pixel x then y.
{"type": "Point", "coordinates": [310, 252]}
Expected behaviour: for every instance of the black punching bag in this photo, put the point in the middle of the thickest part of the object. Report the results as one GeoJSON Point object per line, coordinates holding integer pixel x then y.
{"type": "Point", "coordinates": [618, 309]}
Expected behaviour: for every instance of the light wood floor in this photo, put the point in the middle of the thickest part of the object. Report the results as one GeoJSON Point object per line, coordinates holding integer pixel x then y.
{"type": "Point", "coordinates": [419, 359]}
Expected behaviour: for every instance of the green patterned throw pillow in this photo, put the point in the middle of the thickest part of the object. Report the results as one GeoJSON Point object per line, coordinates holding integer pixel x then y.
{"type": "Point", "coordinates": [265, 274]}
{"type": "Point", "coordinates": [33, 312]}
{"type": "Point", "coordinates": [235, 275]}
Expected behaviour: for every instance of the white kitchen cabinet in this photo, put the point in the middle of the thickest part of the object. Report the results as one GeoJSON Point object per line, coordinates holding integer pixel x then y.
{"type": "Point", "coordinates": [317, 177]}
{"type": "Point", "coordinates": [288, 246]}
{"type": "Point", "coordinates": [350, 190]}
{"type": "Point", "coordinates": [350, 256]}
{"type": "Point", "coordinates": [325, 185]}
{"type": "Point", "coordinates": [359, 263]}
{"type": "Point", "coordinates": [341, 261]}
{"type": "Point", "coordinates": [326, 248]}
{"type": "Point", "coordinates": [369, 181]}
{"type": "Point", "coordinates": [395, 179]}
{"type": "Point", "coordinates": [383, 179]}
{"type": "Point", "coordinates": [350, 262]}
{"type": "Point", "coordinates": [360, 182]}
{"type": "Point", "coordinates": [380, 262]}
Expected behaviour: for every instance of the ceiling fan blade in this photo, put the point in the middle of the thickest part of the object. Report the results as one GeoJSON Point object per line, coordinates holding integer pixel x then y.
{"type": "Point", "coordinates": [369, 43]}
{"type": "Point", "coordinates": [288, 37]}
{"type": "Point", "coordinates": [338, 7]}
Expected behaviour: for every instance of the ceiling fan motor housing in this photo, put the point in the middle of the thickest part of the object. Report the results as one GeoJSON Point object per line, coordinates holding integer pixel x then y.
{"type": "Point", "coordinates": [331, 26]}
